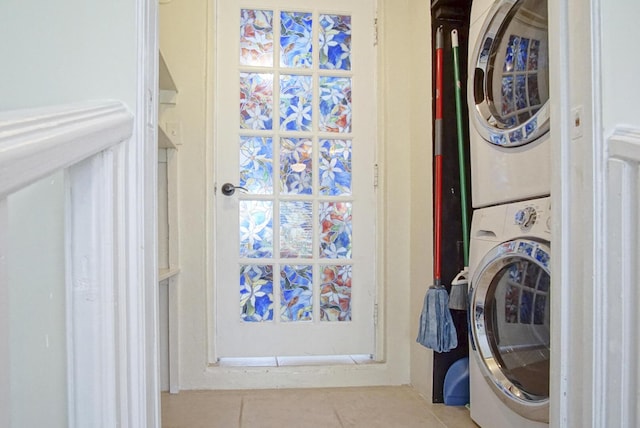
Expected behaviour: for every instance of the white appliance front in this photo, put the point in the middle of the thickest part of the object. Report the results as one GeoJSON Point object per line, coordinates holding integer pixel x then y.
{"type": "Point", "coordinates": [508, 93]}
{"type": "Point", "coordinates": [509, 313]}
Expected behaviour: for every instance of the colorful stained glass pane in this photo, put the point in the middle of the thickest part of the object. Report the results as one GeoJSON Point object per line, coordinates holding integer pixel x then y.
{"type": "Point", "coordinates": [335, 42]}
{"type": "Point", "coordinates": [510, 54]}
{"type": "Point", "coordinates": [256, 164]}
{"type": "Point", "coordinates": [296, 166]}
{"type": "Point", "coordinates": [534, 52]}
{"type": "Point", "coordinates": [296, 229]}
{"type": "Point", "coordinates": [335, 293]}
{"type": "Point", "coordinates": [521, 92]}
{"type": "Point", "coordinates": [531, 274]}
{"type": "Point", "coordinates": [296, 295]}
{"type": "Point", "coordinates": [295, 40]}
{"type": "Point", "coordinates": [335, 167]}
{"type": "Point", "coordinates": [531, 127]}
{"type": "Point", "coordinates": [516, 135]}
{"type": "Point", "coordinates": [511, 303]}
{"type": "Point", "coordinates": [256, 293]}
{"type": "Point", "coordinates": [256, 229]}
{"type": "Point", "coordinates": [515, 273]}
{"type": "Point", "coordinates": [256, 37]}
{"type": "Point", "coordinates": [335, 230]}
{"type": "Point", "coordinates": [526, 307]}
{"type": "Point", "coordinates": [486, 48]}
{"type": "Point", "coordinates": [540, 310]}
{"type": "Point", "coordinates": [256, 101]}
{"type": "Point", "coordinates": [507, 94]}
{"type": "Point", "coordinates": [295, 102]}
{"type": "Point", "coordinates": [521, 58]}
{"type": "Point", "coordinates": [534, 94]}
{"type": "Point", "coordinates": [543, 282]}
{"type": "Point", "coordinates": [335, 104]}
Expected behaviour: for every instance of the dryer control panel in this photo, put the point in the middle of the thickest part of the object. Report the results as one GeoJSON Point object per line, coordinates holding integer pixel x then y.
{"type": "Point", "coordinates": [530, 217]}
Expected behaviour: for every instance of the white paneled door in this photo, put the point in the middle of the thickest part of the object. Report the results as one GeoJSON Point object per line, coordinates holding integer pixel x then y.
{"type": "Point", "coordinates": [295, 170]}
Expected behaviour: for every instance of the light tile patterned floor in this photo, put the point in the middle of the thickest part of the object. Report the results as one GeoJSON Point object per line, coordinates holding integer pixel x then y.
{"type": "Point", "coordinates": [369, 407]}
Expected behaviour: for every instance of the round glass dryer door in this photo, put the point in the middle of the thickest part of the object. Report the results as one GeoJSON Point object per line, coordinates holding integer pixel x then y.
{"type": "Point", "coordinates": [509, 79]}
{"type": "Point", "coordinates": [511, 329]}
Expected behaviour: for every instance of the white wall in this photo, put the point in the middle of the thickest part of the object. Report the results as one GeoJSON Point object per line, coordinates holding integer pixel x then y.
{"type": "Point", "coordinates": [620, 64]}
{"type": "Point", "coordinates": [38, 357]}
{"type": "Point", "coordinates": [405, 112]}
{"type": "Point", "coordinates": [68, 50]}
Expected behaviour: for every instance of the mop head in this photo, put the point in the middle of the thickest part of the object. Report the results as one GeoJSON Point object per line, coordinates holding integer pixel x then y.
{"type": "Point", "coordinates": [459, 291]}
{"type": "Point", "coordinates": [437, 330]}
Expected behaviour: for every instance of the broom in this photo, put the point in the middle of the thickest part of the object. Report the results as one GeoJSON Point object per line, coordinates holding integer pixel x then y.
{"type": "Point", "coordinates": [436, 329]}
{"type": "Point", "coordinates": [459, 286]}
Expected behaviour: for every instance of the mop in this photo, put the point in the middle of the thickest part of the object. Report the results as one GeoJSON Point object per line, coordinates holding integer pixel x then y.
{"type": "Point", "coordinates": [436, 330]}
{"type": "Point", "coordinates": [459, 286]}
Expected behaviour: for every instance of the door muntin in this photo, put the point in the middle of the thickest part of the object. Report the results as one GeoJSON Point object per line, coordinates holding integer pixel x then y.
{"type": "Point", "coordinates": [509, 79]}
{"type": "Point", "coordinates": [511, 323]}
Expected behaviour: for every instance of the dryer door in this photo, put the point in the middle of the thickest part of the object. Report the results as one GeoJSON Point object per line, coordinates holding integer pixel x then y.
{"type": "Point", "coordinates": [509, 79]}
{"type": "Point", "coordinates": [510, 310]}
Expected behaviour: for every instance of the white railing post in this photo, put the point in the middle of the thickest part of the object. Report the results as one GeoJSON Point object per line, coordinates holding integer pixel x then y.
{"type": "Point", "coordinates": [91, 292]}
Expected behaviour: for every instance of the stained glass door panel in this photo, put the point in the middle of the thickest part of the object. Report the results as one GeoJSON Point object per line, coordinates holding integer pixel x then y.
{"type": "Point", "coordinates": [295, 131]}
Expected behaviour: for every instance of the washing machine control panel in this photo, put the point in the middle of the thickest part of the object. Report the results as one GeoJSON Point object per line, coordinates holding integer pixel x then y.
{"type": "Point", "coordinates": [526, 218]}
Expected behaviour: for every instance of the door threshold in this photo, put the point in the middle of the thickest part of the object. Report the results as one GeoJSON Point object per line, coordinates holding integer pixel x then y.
{"type": "Point", "coordinates": [313, 360]}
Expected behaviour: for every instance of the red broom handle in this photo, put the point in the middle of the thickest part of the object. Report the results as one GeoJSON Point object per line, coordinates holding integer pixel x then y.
{"type": "Point", "coordinates": [438, 158]}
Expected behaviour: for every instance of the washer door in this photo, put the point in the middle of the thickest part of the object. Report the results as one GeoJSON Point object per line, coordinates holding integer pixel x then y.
{"type": "Point", "coordinates": [510, 310]}
{"type": "Point", "coordinates": [509, 79]}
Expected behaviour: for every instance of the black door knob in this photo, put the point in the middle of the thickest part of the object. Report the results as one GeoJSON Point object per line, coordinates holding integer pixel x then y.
{"type": "Point", "coordinates": [229, 189]}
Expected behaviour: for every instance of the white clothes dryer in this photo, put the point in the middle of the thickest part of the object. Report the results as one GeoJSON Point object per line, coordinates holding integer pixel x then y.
{"type": "Point", "coordinates": [508, 97]}
{"type": "Point", "coordinates": [510, 315]}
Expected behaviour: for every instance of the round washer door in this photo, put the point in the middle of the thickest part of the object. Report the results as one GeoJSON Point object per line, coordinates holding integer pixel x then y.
{"type": "Point", "coordinates": [511, 329]}
{"type": "Point", "coordinates": [509, 76]}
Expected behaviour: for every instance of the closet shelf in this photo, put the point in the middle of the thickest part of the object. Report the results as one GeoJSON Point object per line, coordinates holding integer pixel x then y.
{"type": "Point", "coordinates": [164, 140]}
{"type": "Point", "coordinates": [167, 273]}
{"type": "Point", "coordinates": [168, 89]}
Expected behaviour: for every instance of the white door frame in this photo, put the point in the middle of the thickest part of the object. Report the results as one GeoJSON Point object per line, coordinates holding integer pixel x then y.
{"type": "Point", "coordinates": [312, 337]}
{"type": "Point", "coordinates": [594, 366]}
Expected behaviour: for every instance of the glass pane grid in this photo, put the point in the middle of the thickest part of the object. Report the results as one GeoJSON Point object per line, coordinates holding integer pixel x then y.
{"type": "Point", "coordinates": [519, 94]}
{"type": "Point", "coordinates": [296, 113]}
{"type": "Point", "coordinates": [526, 295]}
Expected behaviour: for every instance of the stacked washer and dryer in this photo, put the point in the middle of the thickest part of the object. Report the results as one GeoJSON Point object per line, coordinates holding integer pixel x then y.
{"type": "Point", "coordinates": [508, 93]}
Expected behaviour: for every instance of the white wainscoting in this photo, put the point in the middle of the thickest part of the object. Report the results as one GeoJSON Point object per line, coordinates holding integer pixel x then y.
{"type": "Point", "coordinates": [106, 328]}
{"type": "Point", "coordinates": [619, 296]}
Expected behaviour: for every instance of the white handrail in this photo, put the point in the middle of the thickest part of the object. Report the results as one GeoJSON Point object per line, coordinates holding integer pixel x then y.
{"type": "Point", "coordinates": [37, 142]}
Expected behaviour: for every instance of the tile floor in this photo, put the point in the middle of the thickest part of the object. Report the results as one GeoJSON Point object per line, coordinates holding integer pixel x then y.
{"type": "Point", "coordinates": [368, 407]}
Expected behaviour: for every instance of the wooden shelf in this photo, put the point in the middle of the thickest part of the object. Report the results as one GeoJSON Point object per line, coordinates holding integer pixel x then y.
{"type": "Point", "coordinates": [167, 86]}
{"type": "Point", "coordinates": [164, 140]}
{"type": "Point", "coordinates": [167, 273]}
{"type": "Point", "coordinates": [165, 79]}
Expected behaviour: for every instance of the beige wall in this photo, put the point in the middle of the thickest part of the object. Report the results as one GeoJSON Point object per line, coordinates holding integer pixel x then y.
{"type": "Point", "coordinates": [183, 41]}
{"type": "Point", "coordinates": [421, 187]}
{"type": "Point", "coordinates": [405, 161]}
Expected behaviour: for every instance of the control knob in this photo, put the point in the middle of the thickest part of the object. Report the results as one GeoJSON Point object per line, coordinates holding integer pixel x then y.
{"type": "Point", "coordinates": [526, 217]}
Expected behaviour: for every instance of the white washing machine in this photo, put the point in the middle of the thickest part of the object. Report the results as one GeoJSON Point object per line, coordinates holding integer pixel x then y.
{"type": "Point", "coordinates": [509, 259]}
{"type": "Point", "coordinates": [508, 97]}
